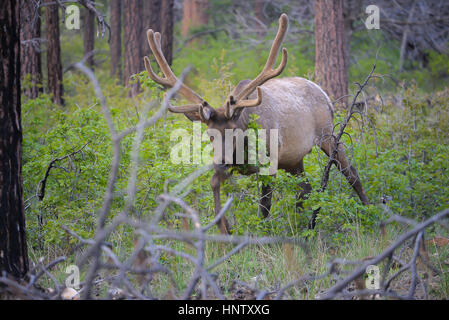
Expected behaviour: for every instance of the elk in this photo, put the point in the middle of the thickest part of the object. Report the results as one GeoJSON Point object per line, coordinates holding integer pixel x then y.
{"type": "Point", "coordinates": [298, 108]}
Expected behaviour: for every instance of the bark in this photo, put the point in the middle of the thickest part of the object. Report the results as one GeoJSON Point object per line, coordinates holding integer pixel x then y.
{"type": "Point", "coordinates": [330, 50]}
{"type": "Point", "coordinates": [167, 18]}
{"type": "Point", "coordinates": [404, 38]}
{"type": "Point", "coordinates": [351, 14]}
{"type": "Point", "coordinates": [30, 48]}
{"type": "Point", "coordinates": [116, 38]}
{"type": "Point", "coordinates": [151, 19]}
{"type": "Point", "coordinates": [89, 35]}
{"type": "Point", "coordinates": [54, 63]}
{"type": "Point", "coordinates": [259, 6]}
{"type": "Point", "coordinates": [259, 10]}
{"type": "Point", "coordinates": [13, 248]}
{"type": "Point", "coordinates": [132, 39]}
{"type": "Point", "coordinates": [158, 15]}
{"type": "Point", "coordinates": [194, 15]}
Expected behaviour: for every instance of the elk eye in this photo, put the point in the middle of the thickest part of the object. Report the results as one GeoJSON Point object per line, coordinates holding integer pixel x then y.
{"type": "Point", "coordinates": [212, 139]}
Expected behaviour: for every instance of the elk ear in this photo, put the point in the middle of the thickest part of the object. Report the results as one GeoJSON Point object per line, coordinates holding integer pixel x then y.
{"type": "Point", "coordinates": [203, 114]}
{"type": "Point", "coordinates": [206, 112]}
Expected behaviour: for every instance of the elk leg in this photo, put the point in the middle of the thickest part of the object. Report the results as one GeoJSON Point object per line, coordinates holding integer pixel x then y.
{"type": "Point", "coordinates": [215, 183]}
{"type": "Point", "coordinates": [265, 201]}
{"type": "Point", "coordinates": [305, 186]}
{"type": "Point", "coordinates": [348, 171]}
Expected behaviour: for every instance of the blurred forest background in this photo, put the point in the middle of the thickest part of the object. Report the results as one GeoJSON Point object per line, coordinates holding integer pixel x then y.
{"type": "Point", "coordinates": [399, 141]}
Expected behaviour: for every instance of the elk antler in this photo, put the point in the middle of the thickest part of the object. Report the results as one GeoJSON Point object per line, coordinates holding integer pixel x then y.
{"type": "Point", "coordinates": [267, 73]}
{"type": "Point", "coordinates": [154, 40]}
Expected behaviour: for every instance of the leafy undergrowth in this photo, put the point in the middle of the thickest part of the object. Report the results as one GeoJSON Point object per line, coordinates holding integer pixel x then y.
{"type": "Point", "coordinates": [400, 149]}
{"type": "Point", "coordinates": [270, 267]}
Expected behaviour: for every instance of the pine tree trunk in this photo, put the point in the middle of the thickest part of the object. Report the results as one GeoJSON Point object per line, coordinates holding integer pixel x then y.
{"type": "Point", "coordinates": [89, 35]}
{"type": "Point", "coordinates": [13, 247]}
{"type": "Point", "coordinates": [259, 10]}
{"type": "Point", "coordinates": [194, 15]}
{"type": "Point", "coordinates": [132, 13]}
{"type": "Point", "coordinates": [116, 39]}
{"type": "Point", "coordinates": [151, 19]}
{"type": "Point", "coordinates": [260, 15]}
{"type": "Point", "coordinates": [30, 47]}
{"type": "Point", "coordinates": [54, 63]}
{"type": "Point", "coordinates": [330, 57]}
{"type": "Point", "coordinates": [167, 18]}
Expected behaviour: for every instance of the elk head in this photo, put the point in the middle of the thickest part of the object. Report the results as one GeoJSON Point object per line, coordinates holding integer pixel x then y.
{"type": "Point", "coordinates": [227, 116]}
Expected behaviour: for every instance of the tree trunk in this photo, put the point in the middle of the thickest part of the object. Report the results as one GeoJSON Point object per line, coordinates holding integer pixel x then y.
{"type": "Point", "coordinates": [89, 35]}
{"type": "Point", "coordinates": [158, 15]}
{"type": "Point", "coordinates": [151, 19]}
{"type": "Point", "coordinates": [194, 15]}
{"type": "Point", "coordinates": [330, 57]}
{"type": "Point", "coordinates": [30, 55]}
{"type": "Point", "coordinates": [132, 37]}
{"type": "Point", "coordinates": [13, 247]}
{"type": "Point", "coordinates": [167, 18]}
{"type": "Point", "coordinates": [404, 38]}
{"type": "Point", "coordinates": [54, 63]}
{"type": "Point", "coordinates": [260, 14]}
{"type": "Point", "coordinates": [116, 39]}
{"type": "Point", "coordinates": [351, 14]}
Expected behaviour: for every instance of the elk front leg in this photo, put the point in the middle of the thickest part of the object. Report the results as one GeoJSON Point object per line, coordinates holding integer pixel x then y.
{"type": "Point", "coordinates": [215, 183]}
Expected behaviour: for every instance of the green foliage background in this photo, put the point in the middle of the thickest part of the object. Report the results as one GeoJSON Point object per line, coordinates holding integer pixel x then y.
{"type": "Point", "coordinates": [400, 148]}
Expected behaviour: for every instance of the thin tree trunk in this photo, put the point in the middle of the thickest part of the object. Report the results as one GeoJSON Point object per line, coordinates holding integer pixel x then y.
{"type": "Point", "coordinates": [89, 35]}
{"type": "Point", "coordinates": [116, 39]}
{"type": "Point", "coordinates": [351, 9]}
{"type": "Point", "coordinates": [404, 38]}
{"type": "Point", "coordinates": [54, 63]}
{"type": "Point", "coordinates": [167, 29]}
{"type": "Point", "coordinates": [330, 57]}
{"type": "Point", "coordinates": [132, 37]}
{"type": "Point", "coordinates": [13, 247]}
{"type": "Point", "coordinates": [151, 19]}
{"type": "Point", "coordinates": [195, 14]}
{"type": "Point", "coordinates": [30, 48]}
{"type": "Point", "coordinates": [259, 6]}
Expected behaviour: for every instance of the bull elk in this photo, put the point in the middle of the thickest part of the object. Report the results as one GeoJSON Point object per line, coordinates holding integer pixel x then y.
{"type": "Point", "coordinates": [298, 108]}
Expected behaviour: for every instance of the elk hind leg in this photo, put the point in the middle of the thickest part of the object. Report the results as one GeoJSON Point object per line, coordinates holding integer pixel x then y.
{"type": "Point", "coordinates": [347, 170]}
{"type": "Point", "coordinates": [306, 188]}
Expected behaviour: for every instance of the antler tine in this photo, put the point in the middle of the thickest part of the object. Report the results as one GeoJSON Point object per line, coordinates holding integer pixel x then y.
{"type": "Point", "coordinates": [268, 72]}
{"type": "Point", "coordinates": [158, 37]}
{"type": "Point", "coordinates": [154, 40]}
{"type": "Point", "coordinates": [252, 102]}
{"type": "Point", "coordinates": [243, 103]}
{"type": "Point", "coordinates": [283, 25]}
{"type": "Point", "coordinates": [153, 75]}
{"type": "Point", "coordinates": [183, 109]}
